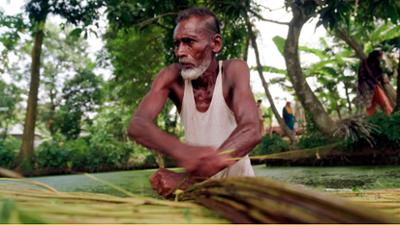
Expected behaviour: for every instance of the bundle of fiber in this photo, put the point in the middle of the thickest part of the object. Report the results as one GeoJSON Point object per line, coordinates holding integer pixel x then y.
{"type": "Point", "coordinates": [261, 200]}
{"type": "Point", "coordinates": [387, 200]}
{"type": "Point", "coordinates": [43, 204]}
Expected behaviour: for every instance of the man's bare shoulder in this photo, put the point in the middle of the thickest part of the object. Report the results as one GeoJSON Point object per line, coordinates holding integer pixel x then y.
{"type": "Point", "coordinates": [236, 69]}
{"type": "Point", "coordinates": [170, 72]}
{"type": "Point", "coordinates": [168, 75]}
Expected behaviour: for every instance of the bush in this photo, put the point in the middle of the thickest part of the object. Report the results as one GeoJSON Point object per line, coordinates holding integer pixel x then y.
{"type": "Point", "coordinates": [9, 148]}
{"type": "Point", "coordinates": [315, 139]}
{"type": "Point", "coordinates": [78, 149]}
{"type": "Point", "coordinates": [95, 153]}
{"type": "Point", "coordinates": [388, 132]}
{"type": "Point", "coordinates": [385, 133]}
{"type": "Point", "coordinates": [150, 161]}
{"type": "Point", "coordinates": [271, 144]}
{"type": "Point", "coordinates": [105, 151]}
{"type": "Point", "coordinates": [52, 155]}
{"type": "Point", "coordinates": [312, 137]}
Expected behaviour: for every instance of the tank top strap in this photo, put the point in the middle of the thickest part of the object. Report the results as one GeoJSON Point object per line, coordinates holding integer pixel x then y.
{"type": "Point", "coordinates": [218, 89]}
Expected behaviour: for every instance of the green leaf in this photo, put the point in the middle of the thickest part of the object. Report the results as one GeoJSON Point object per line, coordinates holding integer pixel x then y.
{"type": "Point", "coordinates": [390, 34]}
{"type": "Point", "coordinates": [320, 53]}
{"type": "Point", "coordinates": [75, 33]}
{"type": "Point", "coordinates": [279, 43]}
{"type": "Point", "coordinates": [375, 35]}
{"type": "Point", "coordinates": [271, 69]}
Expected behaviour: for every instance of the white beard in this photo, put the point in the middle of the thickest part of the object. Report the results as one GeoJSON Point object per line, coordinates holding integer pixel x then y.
{"type": "Point", "coordinates": [194, 73]}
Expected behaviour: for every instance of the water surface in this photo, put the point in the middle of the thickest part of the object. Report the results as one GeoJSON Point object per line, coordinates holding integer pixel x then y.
{"type": "Point", "coordinates": [322, 178]}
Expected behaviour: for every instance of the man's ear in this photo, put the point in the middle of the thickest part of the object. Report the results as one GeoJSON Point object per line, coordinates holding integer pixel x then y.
{"type": "Point", "coordinates": [216, 43]}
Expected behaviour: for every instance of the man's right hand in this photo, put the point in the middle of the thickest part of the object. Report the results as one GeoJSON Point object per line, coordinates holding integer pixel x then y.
{"type": "Point", "coordinates": [203, 161]}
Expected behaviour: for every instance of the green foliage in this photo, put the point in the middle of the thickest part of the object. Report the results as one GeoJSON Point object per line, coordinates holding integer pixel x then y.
{"type": "Point", "coordinates": [150, 161]}
{"type": "Point", "coordinates": [312, 137]}
{"type": "Point", "coordinates": [78, 13]}
{"type": "Point", "coordinates": [12, 26]}
{"type": "Point", "coordinates": [83, 91]}
{"type": "Point", "coordinates": [384, 135]}
{"type": "Point", "coordinates": [81, 94]}
{"type": "Point", "coordinates": [68, 121]}
{"type": "Point", "coordinates": [312, 140]}
{"type": "Point", "coordinates": [137, 56]}
{"type": "Point", "coordinates": [271, 144]}
{"type": "Point", "coordinates": [95, 153]}
{"type": "Point", "coordinates": [78, 153]}
{"type": "Point", "coordinates": [9, 148]}
{"type": "Point", "coordinates": [104, 151]}
{"type": "Point", "coordinates": [329, 72]}
{"type": "Point", "coordinates": [279, 43]}
{"type": "Point", "coordinates": [337, 13]}
{"type": "Point", "coordinates": [369, 22]}
{"type": "Point", "coordinates": [9, 98]}
{"type": "Point", "coordinates": [114, 119]}
{"type": "Point", "coordinates": [60, 55]}
{"type": "Point", "coordinates": [52, 155]}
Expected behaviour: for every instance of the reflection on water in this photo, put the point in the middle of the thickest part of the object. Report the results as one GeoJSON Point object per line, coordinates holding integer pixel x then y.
{"type": "Point", "coordinates": [349, 177]}
{"type": "Point", "coordinates": [356, 178]}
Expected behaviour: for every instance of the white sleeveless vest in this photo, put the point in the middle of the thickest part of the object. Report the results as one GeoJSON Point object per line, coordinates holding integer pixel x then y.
{"type": "Point", "coordinates": [213, 127]}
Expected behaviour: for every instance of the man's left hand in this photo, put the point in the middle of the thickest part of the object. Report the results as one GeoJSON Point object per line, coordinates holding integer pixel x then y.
{"type": "Point", "coordinates": [165, 181]}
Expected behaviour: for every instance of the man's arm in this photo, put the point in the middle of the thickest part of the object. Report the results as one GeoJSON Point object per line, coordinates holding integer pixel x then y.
{"type": "Point", "coordinates": [142, 128]}
{"type": "Point", "coordinates": [200, 161]}
{"type": "Point", "coordinates": [246, 135]}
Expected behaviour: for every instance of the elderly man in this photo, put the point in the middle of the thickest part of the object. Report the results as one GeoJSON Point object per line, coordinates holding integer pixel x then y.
{"type": "Point", "coordinates": [215, 103]}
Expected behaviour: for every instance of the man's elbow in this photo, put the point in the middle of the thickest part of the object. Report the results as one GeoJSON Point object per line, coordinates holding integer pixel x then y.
{"type": "Point", "coordinates": [135, 129]}
{"type": "Point", "coordinates": [255, 133]}
{"type": "Point", "coordinates": [257, 136]}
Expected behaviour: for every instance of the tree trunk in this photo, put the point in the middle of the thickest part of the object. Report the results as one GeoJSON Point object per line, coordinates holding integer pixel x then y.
{"type": "Point", "coordinates": [26, 152]}
{"type": "Point", "coordinates": [352, 42]}
{"type": "Point", "coordinates": [397, 107]}
{"type": "Point", "coordinates": [338, 112]}
{"type": "Point", "coordinates": [346, 89]}
{"type": "Point", "coordinates": [282, 124]}
{"type": "Point", "coordinates": [306, 96]}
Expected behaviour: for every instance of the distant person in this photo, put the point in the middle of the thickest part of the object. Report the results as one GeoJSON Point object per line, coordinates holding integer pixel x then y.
{"type": "Point", "coordinates": [288, 116]}
{"type": "Point", "coordinates": [260, 117]}
{"type": "Point", "coordinates": [370, 85]}
{"type": "Point", "coordinates": [215, 102]}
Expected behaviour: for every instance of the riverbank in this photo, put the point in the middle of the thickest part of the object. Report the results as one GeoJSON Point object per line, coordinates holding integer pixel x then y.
{"type": "Point", "coordinates": [331, 155]}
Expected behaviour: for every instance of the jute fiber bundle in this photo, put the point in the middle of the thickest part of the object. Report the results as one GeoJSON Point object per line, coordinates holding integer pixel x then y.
{"type": "Point", "coordinates": [261, 200]}
{"type": "Point", "coordinates": [235, 200]}
{"type": "Point", "coordinates": [32, 205]}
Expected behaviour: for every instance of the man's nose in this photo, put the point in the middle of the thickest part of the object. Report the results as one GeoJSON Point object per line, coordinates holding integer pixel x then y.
{"type": "Point", "coordinates": [180, 51]}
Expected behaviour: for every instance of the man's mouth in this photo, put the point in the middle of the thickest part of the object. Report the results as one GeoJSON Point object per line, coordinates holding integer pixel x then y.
{"type": "Point", "coordinates": [186, 65]}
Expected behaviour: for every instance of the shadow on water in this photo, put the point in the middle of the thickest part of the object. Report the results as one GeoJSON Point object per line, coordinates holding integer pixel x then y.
{"type": "Point", "coordinates": [323, 178]}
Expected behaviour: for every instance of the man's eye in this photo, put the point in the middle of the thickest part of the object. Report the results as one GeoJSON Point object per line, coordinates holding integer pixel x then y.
{"type": "Point", "coordinates": [187, 41]}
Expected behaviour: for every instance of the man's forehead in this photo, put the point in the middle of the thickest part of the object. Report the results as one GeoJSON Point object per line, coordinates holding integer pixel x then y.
{"type": "Point", "coordinates": [192, 26]}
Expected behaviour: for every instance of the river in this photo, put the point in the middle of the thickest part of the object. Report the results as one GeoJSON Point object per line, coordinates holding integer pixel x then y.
{"type": "Point", "coordinates": [322, 178]}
